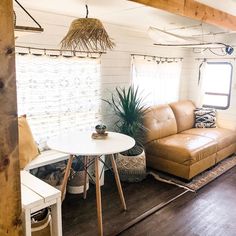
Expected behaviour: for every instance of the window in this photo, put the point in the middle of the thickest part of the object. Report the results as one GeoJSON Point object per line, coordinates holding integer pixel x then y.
{"type": "Point", "coordinates": [158, 81]}
{"type": "Point", "coordinates": [217, 78]}
{"type": "Point", "coordinates": [58, 94]}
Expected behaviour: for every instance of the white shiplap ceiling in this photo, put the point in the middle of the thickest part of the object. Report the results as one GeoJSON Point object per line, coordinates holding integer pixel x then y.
{"type": "Point", "coordinates": [128, 14]}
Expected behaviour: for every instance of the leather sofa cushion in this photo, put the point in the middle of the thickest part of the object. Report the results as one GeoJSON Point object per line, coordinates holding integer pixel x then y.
{"type": "Point", "coordinates": [160, 122]}
{"type": "Point", "coordinates": [223, 137]}
{"type": "Point", "coordinates": [184, 149]}
{"type": "Point", "coordinates": [184, 114]}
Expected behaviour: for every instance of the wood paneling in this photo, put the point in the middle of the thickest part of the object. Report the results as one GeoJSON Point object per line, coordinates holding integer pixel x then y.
{"type": "Point", "coordinates": [194, 10]}
{"type": "Point", "coordinates": [10, 201]}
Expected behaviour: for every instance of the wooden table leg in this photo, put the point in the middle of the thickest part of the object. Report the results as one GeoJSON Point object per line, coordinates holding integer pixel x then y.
{"type": "Point", "coordinates": [98, 197]}
{"type": "Point", "coordinates": [117, 178]}
{"type": "Point", "coordinates": [85, 176]}
{"type": "Point", "coordinates": [66, 176]}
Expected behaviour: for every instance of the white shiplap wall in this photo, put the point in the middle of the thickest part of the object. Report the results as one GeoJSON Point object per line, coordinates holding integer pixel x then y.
{"type": "Point", "coordinates": [116, 64]}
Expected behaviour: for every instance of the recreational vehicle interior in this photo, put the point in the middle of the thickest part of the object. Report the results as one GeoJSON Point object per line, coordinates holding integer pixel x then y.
{"type": "Point", "coordinates": [117, 117]}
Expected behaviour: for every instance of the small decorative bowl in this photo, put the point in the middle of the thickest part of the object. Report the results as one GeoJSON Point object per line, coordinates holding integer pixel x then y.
{"type": "Point", "coordinates": [100, 129]}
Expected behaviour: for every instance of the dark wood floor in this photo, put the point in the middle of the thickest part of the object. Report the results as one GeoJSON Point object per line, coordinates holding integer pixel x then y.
{"type": "Point", "coordinates": [79, 215]}
{"type": "Point", "coordinates": [210, 212]}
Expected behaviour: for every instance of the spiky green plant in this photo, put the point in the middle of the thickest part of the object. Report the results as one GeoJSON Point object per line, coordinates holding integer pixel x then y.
{"type": "Point", "coordinates": [130, 111]}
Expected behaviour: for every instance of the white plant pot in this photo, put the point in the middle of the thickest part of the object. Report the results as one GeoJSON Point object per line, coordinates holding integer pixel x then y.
{"type": "Point", "coordinates": [76, 183]}
{"type": "Point", "coordinates": [131, 168]}
{"type": "Point", "coordinates": [76, 189]}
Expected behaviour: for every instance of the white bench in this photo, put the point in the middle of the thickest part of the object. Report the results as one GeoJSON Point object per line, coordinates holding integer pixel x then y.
{"type": "Point", "coordinates": [46, 158]}
{"type": "Point", "coordinates": [50, 157]}
{"type": "Point", "coordinates": [36, 195]}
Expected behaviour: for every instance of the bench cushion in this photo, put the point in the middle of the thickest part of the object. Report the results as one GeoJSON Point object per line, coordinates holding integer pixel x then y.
{"type": "Point", "coordinates": [184, 149]}
{"type": "Point", "coordinates": [28, 149]}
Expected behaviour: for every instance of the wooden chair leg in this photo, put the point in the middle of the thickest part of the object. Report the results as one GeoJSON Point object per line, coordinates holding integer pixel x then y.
{"type": "Point", "coordinates": [85, 176]}
{"type": "Point", "coordinates": [117, 178]}
{"type": "Point", "coordinates": [98, 197]}
{"type": "Point", "coordinates": [66, 176]}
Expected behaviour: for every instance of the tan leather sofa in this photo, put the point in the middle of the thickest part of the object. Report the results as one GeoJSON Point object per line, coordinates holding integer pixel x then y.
{"type": "Point", "coordinates": [175, 147]}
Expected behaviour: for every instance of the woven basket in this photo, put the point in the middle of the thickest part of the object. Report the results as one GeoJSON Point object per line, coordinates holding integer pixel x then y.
{"type": "Point", "coordinates": [131, 168]}
{"type": "Point", "coordinates": [75, 183]}
{"type": "Point", "coordinates": [41, 226]}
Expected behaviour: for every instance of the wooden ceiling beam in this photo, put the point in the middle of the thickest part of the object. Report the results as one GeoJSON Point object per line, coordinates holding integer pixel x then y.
{"type": "Point", "coordinates": [194, 10]}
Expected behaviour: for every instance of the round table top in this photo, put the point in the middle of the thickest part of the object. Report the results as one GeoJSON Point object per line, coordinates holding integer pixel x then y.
{"type": "Point", "coordinates": [82, 143]}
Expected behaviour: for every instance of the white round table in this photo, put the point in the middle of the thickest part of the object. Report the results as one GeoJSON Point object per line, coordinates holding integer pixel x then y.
{"type": "Point", "coordinates": [82, 143]}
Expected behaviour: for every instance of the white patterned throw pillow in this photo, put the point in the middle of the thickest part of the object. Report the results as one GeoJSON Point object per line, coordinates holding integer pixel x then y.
{"type": "Point", "coordinates": [205, 118]}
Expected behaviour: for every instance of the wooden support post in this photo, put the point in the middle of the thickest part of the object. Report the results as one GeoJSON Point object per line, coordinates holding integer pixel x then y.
{"type": "Point", "coordinates": [10, 197]}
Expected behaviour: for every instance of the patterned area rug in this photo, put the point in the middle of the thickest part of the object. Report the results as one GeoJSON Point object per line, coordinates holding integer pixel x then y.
{"type": "Point", "coordinates": [200, 180]}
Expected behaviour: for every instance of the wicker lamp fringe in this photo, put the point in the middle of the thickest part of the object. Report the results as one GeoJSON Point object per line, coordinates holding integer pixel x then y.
{"type": "Point", "coordinates": [87, 34]}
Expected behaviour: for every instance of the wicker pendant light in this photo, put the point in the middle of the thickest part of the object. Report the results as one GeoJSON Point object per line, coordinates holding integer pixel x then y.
{"type": "Point", "coordinates": [87, 34]}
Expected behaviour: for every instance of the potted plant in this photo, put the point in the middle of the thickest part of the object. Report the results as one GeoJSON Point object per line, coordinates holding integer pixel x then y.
{"type": "Point", "coordinates": [75, 183]}
{"type": "Point", "coordinates": [129, 110]}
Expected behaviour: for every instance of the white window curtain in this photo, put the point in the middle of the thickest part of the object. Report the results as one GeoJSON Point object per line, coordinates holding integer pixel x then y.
{"type": "Point", "coordinates": [158, 81]}
{"type": "Point", "coordinates": [201, 84]}
{"type": "Point", "coordinates": [58, 94]}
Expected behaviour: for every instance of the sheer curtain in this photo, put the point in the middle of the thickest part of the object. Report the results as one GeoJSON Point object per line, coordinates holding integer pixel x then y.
{"type": "Point", "coordinates": [58, 94]}
{"type": "Point", "coordinates": [158, 81]}
{"type": "Point", "coordinates": [201, 84]}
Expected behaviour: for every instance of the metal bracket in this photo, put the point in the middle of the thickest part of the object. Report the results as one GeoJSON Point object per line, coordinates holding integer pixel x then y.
{"type": "Point", "coordinates": [27, 28]}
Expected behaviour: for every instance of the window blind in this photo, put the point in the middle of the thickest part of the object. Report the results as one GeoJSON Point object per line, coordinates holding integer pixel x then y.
{"type": "Point", "coordinates": [58, 94]}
